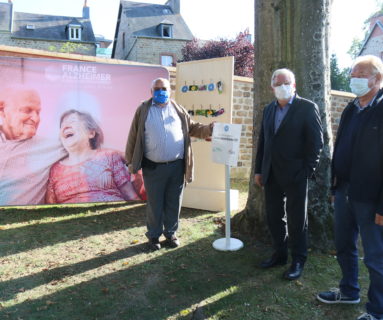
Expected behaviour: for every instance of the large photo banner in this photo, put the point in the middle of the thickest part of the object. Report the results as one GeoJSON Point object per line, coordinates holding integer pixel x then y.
{"type": "Point", "coordinates": [64, 127]}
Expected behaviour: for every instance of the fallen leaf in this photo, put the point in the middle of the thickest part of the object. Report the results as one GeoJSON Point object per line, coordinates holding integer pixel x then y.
{"type": "Point", "coordinates": [49, 303]}
{"type": "Point", "coordinates": [134, 242]}
{"type": "Point", "coordinates": [125, 263]}
{"type": "Point", "coordinates": [298, 283]}
{"type": "Point", "coordinates": [105, 290]}
{"type": "Point", "coordinates": [184, 312]}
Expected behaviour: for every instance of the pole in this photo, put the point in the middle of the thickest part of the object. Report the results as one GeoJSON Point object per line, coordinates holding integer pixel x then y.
{"type": "Point", "coordinates": [227, 243]}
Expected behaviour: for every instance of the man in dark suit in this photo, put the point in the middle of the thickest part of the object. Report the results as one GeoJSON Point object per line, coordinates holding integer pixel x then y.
{"type": "Point", "coordinates": [357, 182]}
{"type": "Point", "coordinates": [288, 151]}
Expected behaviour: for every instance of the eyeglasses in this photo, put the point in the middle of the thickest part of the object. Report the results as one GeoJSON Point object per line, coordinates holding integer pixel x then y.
{"type": "Point", "coordinates": [160, 89]}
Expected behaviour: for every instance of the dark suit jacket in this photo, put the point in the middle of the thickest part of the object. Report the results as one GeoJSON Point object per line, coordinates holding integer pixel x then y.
{"type": "Point", "coordinates": [293, 151]}
{"type": "Point", "coordinates": [366, 174]}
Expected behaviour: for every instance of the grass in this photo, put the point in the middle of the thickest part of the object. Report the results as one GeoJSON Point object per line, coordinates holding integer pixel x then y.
{"type": "Point", "coordinates": [91, 262]}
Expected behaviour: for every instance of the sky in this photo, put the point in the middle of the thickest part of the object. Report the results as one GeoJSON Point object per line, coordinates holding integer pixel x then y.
{"type": "Point", "coordinates": [214, 19]}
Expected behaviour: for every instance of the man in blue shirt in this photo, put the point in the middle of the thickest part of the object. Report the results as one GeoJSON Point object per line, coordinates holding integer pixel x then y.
{"type": "Point", "coordinates": [159, 143]}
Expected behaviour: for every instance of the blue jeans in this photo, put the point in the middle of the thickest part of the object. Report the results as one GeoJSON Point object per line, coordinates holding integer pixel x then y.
{"type": "Point", "coordinates": [352, 217]}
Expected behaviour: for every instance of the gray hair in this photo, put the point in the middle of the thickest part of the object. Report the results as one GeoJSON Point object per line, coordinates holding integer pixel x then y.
{"type": "Point", "coordinates": [90, 124]}
{"type": "Point", "coordinates": [164, 80]}
{"type": "Point", "coordinates": [374, 62]}
{"type": "Point", "coordinates": [284, 71]}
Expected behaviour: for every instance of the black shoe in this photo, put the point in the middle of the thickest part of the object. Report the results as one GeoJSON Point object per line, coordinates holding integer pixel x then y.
{"type": "Point", "coordinates": [154, 244]}
{"type": "Point", "coordinates": [275, 260]}
{"type": "Point", "coordinates": [172, 242]}
{"type": "Point", "coordinates": [294, 272]}
{"type": "Point", "coordinates": [335, 296]}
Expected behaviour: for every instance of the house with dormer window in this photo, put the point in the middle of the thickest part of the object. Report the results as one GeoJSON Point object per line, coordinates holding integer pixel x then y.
{"type": "Point", "coordinates": [47, 32]}
{"type": "Point", "coordinates": [150, 33]}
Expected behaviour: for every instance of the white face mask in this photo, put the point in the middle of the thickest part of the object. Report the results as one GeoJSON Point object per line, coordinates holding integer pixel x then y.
{"type": "Point", "coordinates": [284, 91]}
{"type": "Point", "coordinates": [359, 86]}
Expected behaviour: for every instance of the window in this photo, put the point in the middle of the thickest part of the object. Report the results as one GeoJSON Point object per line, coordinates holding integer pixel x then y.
{"type": "Point", "coordinates": [166, 31]}
{"type": "Point", "coordinates": [167, 60]}
{"type": "Point", "coordinates": [74, 32]}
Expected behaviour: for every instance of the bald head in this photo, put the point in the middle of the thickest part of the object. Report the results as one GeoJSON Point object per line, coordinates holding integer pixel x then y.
{"type": "Point", "coordinates": [19, 112]}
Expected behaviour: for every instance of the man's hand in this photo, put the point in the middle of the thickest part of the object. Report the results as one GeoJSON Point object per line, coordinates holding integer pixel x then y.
{"type": "Point", "coordinates": [379, 219]}
{"type": "Point", "coordinates": [211, 127]}
{"type": "Point", "coordinates": [258, 180]}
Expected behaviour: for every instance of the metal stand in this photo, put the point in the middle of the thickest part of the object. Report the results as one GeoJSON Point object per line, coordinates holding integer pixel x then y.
{"type": "Point", "coordinates": [227, 243]}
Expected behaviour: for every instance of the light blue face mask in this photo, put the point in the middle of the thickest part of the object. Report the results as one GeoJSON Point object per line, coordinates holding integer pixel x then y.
{"type": "Point", "coordinates": [160, 96]}
{"type": "Point", "coordinates": [359, 86]}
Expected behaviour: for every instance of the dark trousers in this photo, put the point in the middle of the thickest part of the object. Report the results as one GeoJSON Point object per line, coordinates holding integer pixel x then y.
{"type": "Point", "coordinates": [286, 215]}
{"type": "Point", "coordinates": [164, 184]}
{"type": "Point", "coordinates": [352, 217]}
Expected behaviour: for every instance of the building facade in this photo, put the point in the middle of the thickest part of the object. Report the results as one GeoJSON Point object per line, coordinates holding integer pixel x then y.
{"type": "Point", "coordinates": [150, 33]}
{"type": "Point", "coordinates": [373, 44]}
{"type": "Point", "coordinates": [47, 32]}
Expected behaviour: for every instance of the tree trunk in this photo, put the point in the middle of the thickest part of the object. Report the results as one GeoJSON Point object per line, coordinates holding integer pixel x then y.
{"type": "Point", "coordinates": [293, 34]}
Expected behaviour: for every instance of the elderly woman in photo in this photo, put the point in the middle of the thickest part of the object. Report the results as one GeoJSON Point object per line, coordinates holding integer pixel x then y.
{"type": "Point", "coordinates": [88, 173]}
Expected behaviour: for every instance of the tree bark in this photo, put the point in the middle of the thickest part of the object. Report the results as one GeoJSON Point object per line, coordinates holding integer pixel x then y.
{"type": "Point", "coordinates": [293, 34]}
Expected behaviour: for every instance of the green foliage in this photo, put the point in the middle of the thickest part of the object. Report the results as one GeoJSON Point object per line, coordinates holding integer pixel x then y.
{"type": "Point", "coordinates": [68, 47]}
{"type": "Point", "coordinates": [339, 78]}
{"type": "Point", "coordinates": [355, 48]}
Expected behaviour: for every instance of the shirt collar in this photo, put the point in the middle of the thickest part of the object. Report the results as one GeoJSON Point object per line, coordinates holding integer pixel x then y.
{"type": "Point", "coordinates": [360, 108]}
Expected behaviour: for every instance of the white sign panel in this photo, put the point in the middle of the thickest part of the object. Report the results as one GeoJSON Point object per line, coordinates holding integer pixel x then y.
{"type": "Point", "coordinates": [225, 143]}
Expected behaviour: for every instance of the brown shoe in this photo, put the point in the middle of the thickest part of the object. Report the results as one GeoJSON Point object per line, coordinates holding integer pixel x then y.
{"type": "Point", "coordinates": [172, 242]}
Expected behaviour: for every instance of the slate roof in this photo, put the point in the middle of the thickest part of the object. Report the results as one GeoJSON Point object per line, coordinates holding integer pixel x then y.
{"type": "Point", "coordinates": [144, 18]}
{"type": "Point", "coordinates": [49, 27]}
{"type": "Point", "coordinates": [5, 22]}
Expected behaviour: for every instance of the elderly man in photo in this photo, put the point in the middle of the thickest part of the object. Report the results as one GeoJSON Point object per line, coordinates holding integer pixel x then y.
{"type": "Point", "coordinates": [357, 180]}
{"type": "Point", "coordinates": [25, 159]}
{"type": "Point", "coordinates": [159, 143]}
{"type": "Point", "coordinates": [288, 151]}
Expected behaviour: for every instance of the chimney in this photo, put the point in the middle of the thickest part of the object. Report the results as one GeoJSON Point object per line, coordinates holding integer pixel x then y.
{"type": "Point", "coordinates": [10, 3]}
{"type": "Point", "coordinates": [85, 11]}
{"type": "Point", "coordinates": [175, 5]}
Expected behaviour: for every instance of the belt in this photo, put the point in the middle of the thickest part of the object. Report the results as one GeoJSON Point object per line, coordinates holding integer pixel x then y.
{"type": "Point", "coordinates": [151, 164]}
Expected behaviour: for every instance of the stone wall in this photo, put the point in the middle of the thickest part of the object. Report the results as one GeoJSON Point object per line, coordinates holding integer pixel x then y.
{"type": "Point", "coordinates": [242, 113]}
{"type": "Point", "coordinates": [339, 101]}
{"type": "Point", "coordinates": [47, 45]}
{"type": "Point", "coordinates": [149, 50]}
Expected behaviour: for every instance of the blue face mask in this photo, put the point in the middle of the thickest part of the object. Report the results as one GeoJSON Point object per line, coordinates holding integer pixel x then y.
{"type": "Point", "coordinates": [161, 96]}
